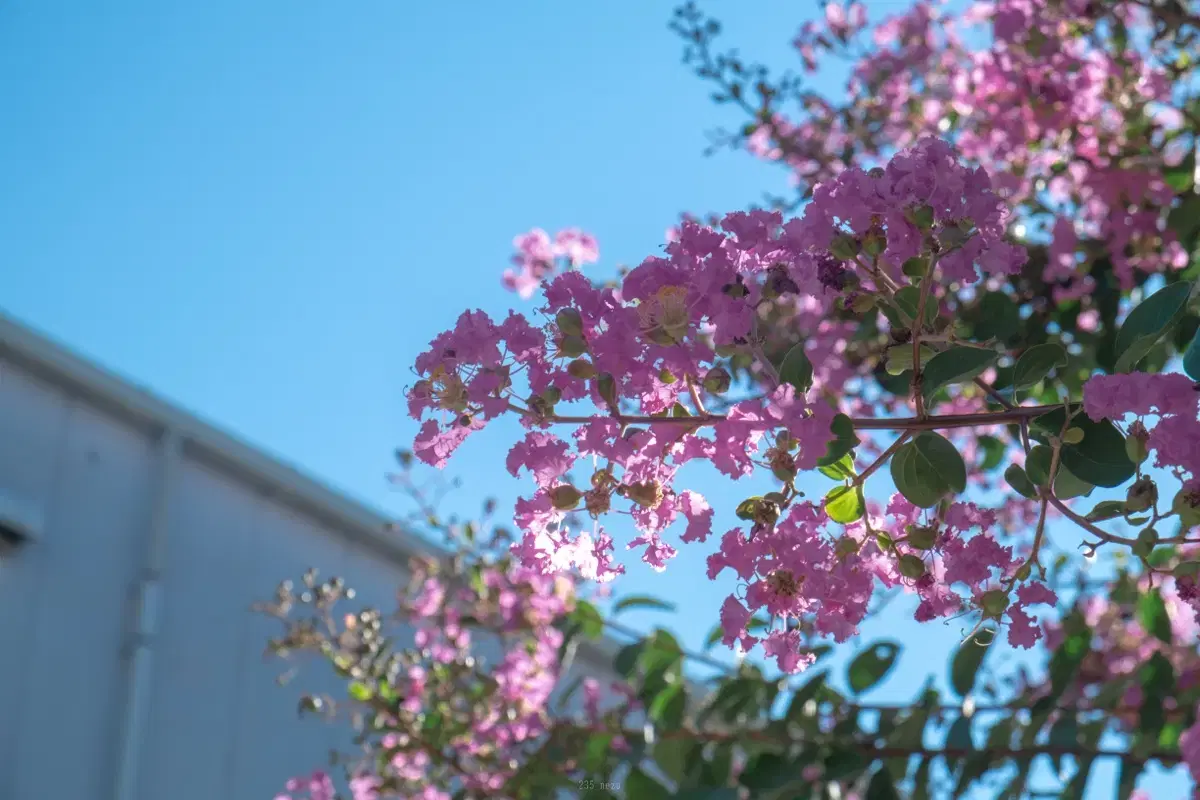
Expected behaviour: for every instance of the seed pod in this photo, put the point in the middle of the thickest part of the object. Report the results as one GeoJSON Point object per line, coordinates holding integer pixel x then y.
{"type": "Point", "coordinates": [911, 566]}
{"type": "Point", "coordinates": [572, 346]}
{"type": "Point", "coordinates": [845, 247]}
{"type": "Point", "coordinates": [565, 497]}
{"type": "Point", "coordinates": [717, 380]}
{"type": "Point", "coordinates": [581, 368]}
{"type": "Point", "coordinates": [845, 546]}
{"type": "Point", "coordinates": [921, 537]}
{"type": "Point", "coordinates": [994, 602]}
{"type": "Point", "coordinates": [1141, 495]}
{"type": "Point", "coordinates": [569, 322]}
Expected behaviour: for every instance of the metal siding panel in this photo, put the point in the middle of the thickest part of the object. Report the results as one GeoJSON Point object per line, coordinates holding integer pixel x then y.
{"type": "Point", "coordinates": [93, 541]}
{"type": "Point", "coordinates": [271, 743]}
{"type": "Point", "coordinates": [32, 427]}
{"type": "Point", "coordinates": [210, 549]}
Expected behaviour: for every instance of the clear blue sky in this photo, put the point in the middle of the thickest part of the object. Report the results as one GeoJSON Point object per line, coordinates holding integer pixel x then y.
{"type": "Point", "coordinates": [264, 210]}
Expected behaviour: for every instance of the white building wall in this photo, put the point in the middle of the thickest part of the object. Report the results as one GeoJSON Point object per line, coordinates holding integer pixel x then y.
{"type": "Point", "coordinates": [108, 468]}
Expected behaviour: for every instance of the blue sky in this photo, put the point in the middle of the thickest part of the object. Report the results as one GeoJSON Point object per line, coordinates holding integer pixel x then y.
{"type": "Point", "coordinates": [263, 211]}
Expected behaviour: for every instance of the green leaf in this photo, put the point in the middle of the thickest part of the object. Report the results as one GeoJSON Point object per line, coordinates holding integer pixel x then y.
{"type": "Point", "coordinates": [807, 692]}
{"type": "Point", "coordinates": [627, 658]}
{"type": "Point", "coordinates": [1019, 481]}
{"type": "Point", "coordinates": [1148, 322]}
{"type": "Point", "coordinates": [968, 659]}
{"type": "Point", "coordinates": [1100, 458]}
{"type": "Point", "coordinates": [882, 786]}
{"type": "Point", "coordinates": [715, 771]}
{"type": "Point", "coordinates": [959, 738]}
{"type": "Point", "coordinates": [994, 451]}
{"type": "Point", "coordinates": [596, 751]}
{"type": "Point", "coordinates": [707, 793]}
{"type": "Point", "coordinates": [669, 707]}
{"type": "Point", "coordinates": [1191, 358]}
{"type": "Point", "coordinates": [642, 601]}
{"type": "Point", "coordinates": [767, 773]}
{"type": "Point", "coordinates": [1180, 176]}
{"type": "Point", "coordinates": [900, 358]}
{"type": "Point", "coordinates": [745, 509]}
{"type": "Point", "coordinates": [843, 504]}
{"type": "Point", "coordinates": [936, 453]}
{"type": "Point", "coordinates": [360, 691]}
{"type": "Point", "coordinates": [1036, 363]}
{"type": "Point", "coordinates": [843, 762]}
{"type": "Point", "coordinates": [845, 439]}
{"type": "Point", "coordinates": [640, 786]}
{"type": "Point", "coordinates": [839, 470]}
{"type": "Point", "coordinates": [588, 618]}
{"type": "Point", "coordinates": [922, 489]}
{"type": "Point", "coordinates": [1064, 733]}
{"type": "Point", "coordinates": [1184, 219]}
{"type": "Point", "coordinates": [997, 317]}
{"type": "Point", "coordinates": [1067, 486]}
{"type": "Point", "coordinates": [1157, 679]}
{"type": "Point", "coordinates": [1037, 466]}
{"type": "Point", "coordinates": [908, 298]}
{"type": "Point", "coordinates": [1106, 509]}
{"type": "Point", "coordinates": [1065, 661]}
{"type": "Point", "coordinates": [955, 365]}
{"type": "Point", "coordinates": [796, 369]}
{"type": "Point", "coordinates": [872, 665]}
{"type": "Point", "coordinates": [1152, 615]}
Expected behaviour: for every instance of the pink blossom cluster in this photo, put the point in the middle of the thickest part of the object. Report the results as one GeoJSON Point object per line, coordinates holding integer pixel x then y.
{"type": "Point", "coordinates": [647, 352]}
{"type": "Point", "coordinates": [1120, 645]}
{"type": "Point", "coordinates": [538, 257]}
{"type": "Point", "coordinates": [1057, 111]}
{"type": "Point", "coordinates": [486, 659]}
{"type": "Point", "coordinates": [1171, 399]}
{"type": "Point", "coordinates": [793, 570]}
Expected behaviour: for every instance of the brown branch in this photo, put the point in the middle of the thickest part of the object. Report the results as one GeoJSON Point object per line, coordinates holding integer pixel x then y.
{"type": "Point", "coordinates": [944, 422]}
{"type": "Point", "coordinates": [883, 458]}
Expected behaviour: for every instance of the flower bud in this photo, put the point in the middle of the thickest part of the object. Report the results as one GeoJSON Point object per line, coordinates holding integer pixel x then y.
{"type": "Point", "coordinates": [911, 566]}
{"type": "Point", "coordinates": [1147, 538]}
{"type": "Point", "coordinates": [665, 376]}
{"type": "Point", "coordinates": [581, 368]}
{"type": "Point", "coordinates": [597, 502]}
{"type": "Point", "coordinates": [1073, 436]}
{"type": "Point", "coordinates": [1136, 447]}
{"type": "Point", "coordinates": [862, 303]}
{"type": "Point", "coordinates": [660, 335]}
{"type": "Point", "coordinates": [921, 537]}
{"type": "Point", "coordinates": [921, 216]}
{"type": "Point", "coordinates": [994, 602]}
{"type": "Point", "coordinates": [844, 247]}
{"type": "Point", "coordinates": [1141, 495]}
{"type": "Point", "coordinates": [1023, 572]}
{"type": "Point", "coordinates": [564, 497]}
{"type": "Point", "coordinates": [569, 322]}
{"type": "Point", "coordinates": [875, 242]}
{"type": "Point", "coordinates": [717, 380]}
{"type": "Point", "coordinates": [1187, 505]}
{"type": "Point", "coordinates": [572, 346]}
{"type": "Point", "coordinates": [551, 395]}
{"type": "Point", "coordinates": [606, 387]}
{"type": "Point", "coordinates": [846, 546]}
{"type": "Point", "coordinates": [647, 494]}
{"type": "Point", "coordinates": [1187, 569]}
{"type": "Point", "coordinates": [783, 465]}
{"type": "Point", "coordinates": [914, 267]}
